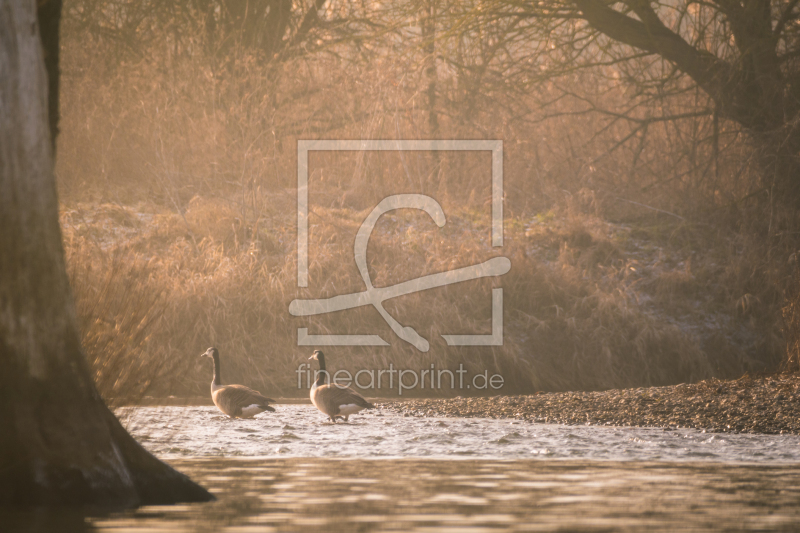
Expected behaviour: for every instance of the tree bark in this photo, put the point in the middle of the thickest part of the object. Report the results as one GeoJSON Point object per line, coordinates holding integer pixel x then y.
{"type": "Point", "coordinates": [59, 443]}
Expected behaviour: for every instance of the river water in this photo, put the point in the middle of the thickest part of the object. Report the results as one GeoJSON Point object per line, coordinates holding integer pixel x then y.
{"type": "Point", "coordinates": [293, 471]}
{"type": "Point", "coordinates": [302, 431]}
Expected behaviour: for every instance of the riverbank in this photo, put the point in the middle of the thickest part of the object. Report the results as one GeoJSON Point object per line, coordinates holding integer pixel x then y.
{"type": "Point", "coordinates": [761, 404]}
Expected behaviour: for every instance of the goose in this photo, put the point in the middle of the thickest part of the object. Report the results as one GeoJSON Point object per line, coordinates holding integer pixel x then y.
{"type": "Point", "coordinates": [236, 401]}
{"type": "Point", "coordinates": [334, 400]}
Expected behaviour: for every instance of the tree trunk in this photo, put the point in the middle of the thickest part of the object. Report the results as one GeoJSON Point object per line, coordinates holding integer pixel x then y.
{"type": "Point", "coordinates": [428, 27]}
{"type": "Point", "coordinates": [59, 443]}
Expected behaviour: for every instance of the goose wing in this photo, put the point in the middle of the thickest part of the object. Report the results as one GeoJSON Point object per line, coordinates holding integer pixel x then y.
{"type": "Point", "coordinates": [241, 396]}
{"type": "Point", "coordinates": [340, 395]}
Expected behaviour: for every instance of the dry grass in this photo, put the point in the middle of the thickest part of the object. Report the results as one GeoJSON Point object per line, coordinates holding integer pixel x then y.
{"type": "Point", "coordinates": [791, 317]}
{"type": "Point", "coordinates": [575, 318]}
{"type": "Point", "coordinates": [119, 309]}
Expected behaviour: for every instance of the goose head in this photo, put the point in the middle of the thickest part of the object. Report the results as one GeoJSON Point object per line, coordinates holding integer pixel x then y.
{"type": "Point", "coordinates": [211, 352]}
{"type": "Point", "coordinates": [319, 357]}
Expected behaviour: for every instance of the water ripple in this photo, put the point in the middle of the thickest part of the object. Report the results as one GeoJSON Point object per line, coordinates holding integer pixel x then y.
{"type": "Point", "coordinates": [301, 431]}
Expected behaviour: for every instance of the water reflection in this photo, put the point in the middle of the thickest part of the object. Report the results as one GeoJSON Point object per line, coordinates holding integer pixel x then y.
{"type": "Point", "coordinates": [44, 520]}
{"type": "Point", "coordinates": [299, 494]}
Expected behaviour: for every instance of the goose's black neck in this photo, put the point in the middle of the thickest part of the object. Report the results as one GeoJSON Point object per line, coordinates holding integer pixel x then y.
{"type": "Point", "coordinates": [322, 372]}
{"type": "Point", "coordinates": [217, 373]}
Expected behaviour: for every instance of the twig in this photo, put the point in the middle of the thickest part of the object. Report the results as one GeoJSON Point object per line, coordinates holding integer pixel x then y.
{"type": "Point", "coordinates": [650, 207]}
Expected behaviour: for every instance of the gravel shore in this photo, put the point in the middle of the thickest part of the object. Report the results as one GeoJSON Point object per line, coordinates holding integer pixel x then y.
{"type": "Point", "coordinates": [764, 404]}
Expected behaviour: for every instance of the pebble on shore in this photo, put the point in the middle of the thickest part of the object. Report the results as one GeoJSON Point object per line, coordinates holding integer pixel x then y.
{"type": "Point", "coordinates": [763, 404]}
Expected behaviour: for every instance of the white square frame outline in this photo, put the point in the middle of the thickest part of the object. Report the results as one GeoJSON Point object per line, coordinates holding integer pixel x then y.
{"type": "Point", "coordinates": [306, 146]}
